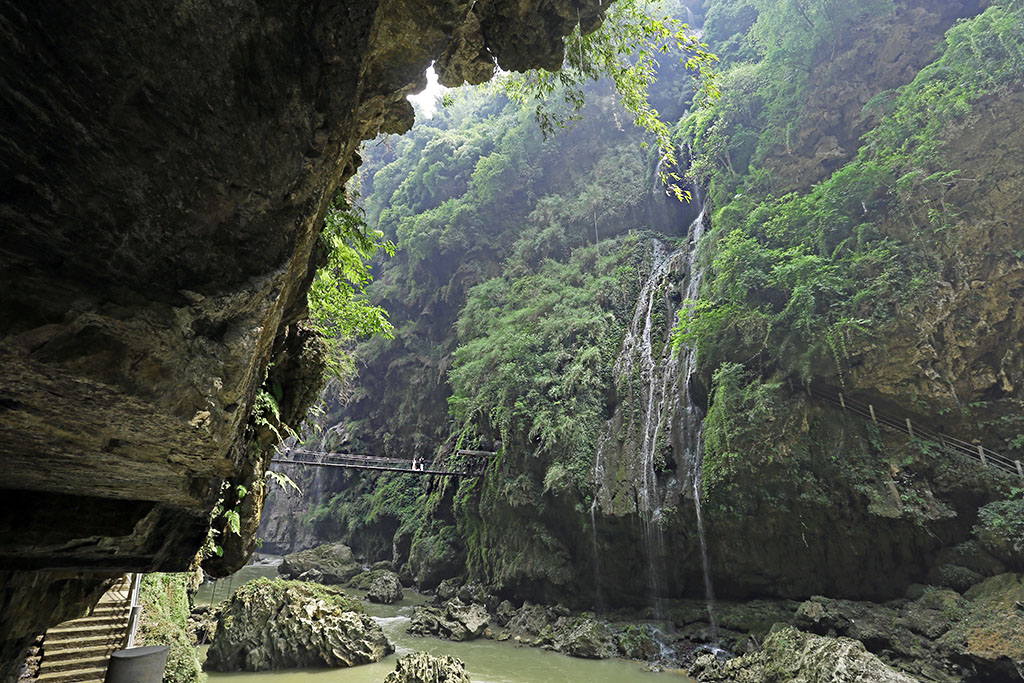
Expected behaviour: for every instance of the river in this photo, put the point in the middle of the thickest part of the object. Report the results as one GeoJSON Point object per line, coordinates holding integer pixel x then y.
{"type": "Point", "coordinates": [487, 661]}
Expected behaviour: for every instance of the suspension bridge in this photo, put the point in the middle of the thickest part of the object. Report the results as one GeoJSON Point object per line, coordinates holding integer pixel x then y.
{"type": "Point", "coordinates": [468, 463]}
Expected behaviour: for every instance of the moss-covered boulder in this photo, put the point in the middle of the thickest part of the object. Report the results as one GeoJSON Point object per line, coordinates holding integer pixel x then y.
{"type": "Point", "coordinates": [587, 638]}
{"type": "Point", "coordinates": [987, 629]}
{"type": "Point", "coordinates": [385, 588]}
{"type": "Point", "coordinates": [292, 624]}
{"type": "Point", "coordinates": [1000, 531]}
{"type": "Point", "coordinates": [792, 656]}
{"type": "Point", "coordinates": [454, 620]}
{"type": "Point", "coordinates": [420, 667]}
{"type": "Point", "coordinates": [332, 563]}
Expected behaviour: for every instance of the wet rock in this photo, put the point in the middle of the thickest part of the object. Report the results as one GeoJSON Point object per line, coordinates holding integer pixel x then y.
{"type": "Point", "coordinates": [792, 656]}
{"type": "Point", "coordinates": [202, 623]}
{"type": "Point", "coordinates": [530, 620]}
{"type": "Point", "coordinates": [453, 621]}
{"type": "Point", "coordinates": [587, 638]}
{"type": "Point", "coordinates": [939, 636]}
{"type": "Point", "coordinates": [385, 588]}
{"type": "Point", "coordinates": [505, 611]}
{"type": "Point", "coordinates": [447, 589]}
{"type": "Point", "coordinates": [333, 563]}
{"type": "Point", "coordinates": [474, 591]}
{"type": "Point", "coordinates": [291, 624]}
{"type": "Point", "coordinates": [987, 634]}
{"type": "Point", "coordinates": [420, 667]}
{"type": "Point", "coordinates": [636, 642]}
{"type": "Point", "coordinates": [383, 564]}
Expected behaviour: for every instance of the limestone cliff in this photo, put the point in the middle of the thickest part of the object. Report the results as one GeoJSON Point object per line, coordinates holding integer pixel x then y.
{"type": "Point", "coordinates": [164, 173]}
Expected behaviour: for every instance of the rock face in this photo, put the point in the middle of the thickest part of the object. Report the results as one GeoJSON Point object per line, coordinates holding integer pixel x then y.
{"type": "Point", "coordinates": [420, 667]}
{"type": "Point", "coordinates": [332, 563]}
{"type": "Point", "coordinates": [288, 624]}
{"type": "Point", "coordinates": [385, 588]}
{"type": "Point", "coordinates": [791, 656]}
{"type": "Point", "coordinates": [454, 621]}
{"type": "Point", "coordinates": [941, 635]}
{"type": "Point", "coordinates": [150, 276]}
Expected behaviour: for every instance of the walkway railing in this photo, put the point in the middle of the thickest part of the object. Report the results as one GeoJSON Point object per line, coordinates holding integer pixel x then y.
{"type": "Point", "coordinates": [948, 443]}
{"type": "Point", "coordinates": [471, 464]}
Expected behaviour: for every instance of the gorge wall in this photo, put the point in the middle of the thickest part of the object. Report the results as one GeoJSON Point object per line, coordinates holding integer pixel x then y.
{"type": "Point", "coordinates": [164, 174]}
{"type": "Point", "coordinates": [862, 196]}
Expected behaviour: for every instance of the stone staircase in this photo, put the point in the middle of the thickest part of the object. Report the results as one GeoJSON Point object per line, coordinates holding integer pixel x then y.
{"type": "Point", "coordinates": [78, 651]}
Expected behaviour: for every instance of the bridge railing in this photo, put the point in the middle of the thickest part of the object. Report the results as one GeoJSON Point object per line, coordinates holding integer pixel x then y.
{"type": "Point", "coordinates": [948, 443]}
{"type": "Point", "coordinates": [473, 467]}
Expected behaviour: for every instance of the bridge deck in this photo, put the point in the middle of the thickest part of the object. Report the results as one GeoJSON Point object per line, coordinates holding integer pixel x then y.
{"type": "Point", "coordinates": [472, 464]}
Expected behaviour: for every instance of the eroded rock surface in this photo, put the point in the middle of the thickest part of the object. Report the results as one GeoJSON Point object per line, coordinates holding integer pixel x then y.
{"type": "Point", "coordinates": [791, 656]}
{"type": "Point", "coordinates": [420, 667]}
{"type": "Point", "coordinates": [385, 588]}
{"type": "Point", "coordinates": [332, 563]}
{"type": "Point", "coordinates": [291, 624]}
{"type": "Point", "coordinates": [455, 620]}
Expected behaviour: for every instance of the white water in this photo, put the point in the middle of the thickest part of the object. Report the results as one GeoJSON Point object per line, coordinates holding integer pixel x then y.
{"type": "Point", "coordinates": [657, 386]}
{"type": "Point", "coordinates": [694, 417]}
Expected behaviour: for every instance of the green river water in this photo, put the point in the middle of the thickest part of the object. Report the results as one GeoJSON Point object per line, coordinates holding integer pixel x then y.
{"type": "Point", "coordinates": [487, 661]}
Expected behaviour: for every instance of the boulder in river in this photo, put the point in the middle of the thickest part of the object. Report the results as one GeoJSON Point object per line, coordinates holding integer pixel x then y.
{"type": "Point", "coordinates": [587, 638]}
{"type": "Point", "coordinates": [333, 563]}
{"type": "Point", "coordinates": [792, 656]}
{"type": "Point", "coordinates": [420, 667]}
{"type": "Point", "coordinates": [291, 624]}
{"type": "Point", "coordinates": [455, 620]}
{"type": "Point", "coordinates": [385, 588]}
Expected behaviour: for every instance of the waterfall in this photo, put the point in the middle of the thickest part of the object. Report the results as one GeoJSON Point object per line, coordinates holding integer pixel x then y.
{"type": "Point", "coordinates": [693, 432]}
{"type": "Point", "coordinates": [648, 370]}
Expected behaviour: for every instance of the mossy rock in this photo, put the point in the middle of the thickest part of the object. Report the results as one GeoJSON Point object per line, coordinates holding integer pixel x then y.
{"type": "Point", "coordinates": [420, 667]}
{"type": "Point", "coordinates": [332, 563]}
{"type": "Point", "coordinates": [792, 656]}
{"type": "Point", "coordinates": [293, 624]}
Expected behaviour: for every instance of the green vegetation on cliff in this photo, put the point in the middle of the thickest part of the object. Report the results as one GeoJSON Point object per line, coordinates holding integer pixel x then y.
{"type": "Point", "coordinates": [799, 281]}
{"type": "Point", "coordinates": [164, 599]}
{"type": "Point", "coordinates": [849, 244]}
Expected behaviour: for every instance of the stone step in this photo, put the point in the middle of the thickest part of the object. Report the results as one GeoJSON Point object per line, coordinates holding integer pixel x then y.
{"type": "Point", "coordinates": [73, 630]}
{"type": "Point", "coordinates": [65, 642]}
{"type": "Point", "coordinates": [75, 676]}
{"type": "Point", "coordinates": [83, 663]}
{"type": "Point", "coordinates": [101, 650]}
{"type": "Point", "coordinates": [110, 611]}
{"type": "Point", "coordinates": [100, 620]}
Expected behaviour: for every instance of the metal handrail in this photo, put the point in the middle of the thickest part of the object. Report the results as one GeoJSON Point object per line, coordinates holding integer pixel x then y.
{"type": "Point", "coordinates": [948, 443]}
{"type": "Point", "coordinates": [305, 456]}
{"type": "Point", "coordinates": [136, 610]}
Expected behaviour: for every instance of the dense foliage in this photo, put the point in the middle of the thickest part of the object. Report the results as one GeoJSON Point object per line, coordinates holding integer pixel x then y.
{"type": "Point", "coordinates": [164, 621]}
{"type": "Point", "coordinates": [795, 276]}
{"type": "Point", "coordinates": [338, 308]}
{"type": "Point", "coordinates": [520, 260]}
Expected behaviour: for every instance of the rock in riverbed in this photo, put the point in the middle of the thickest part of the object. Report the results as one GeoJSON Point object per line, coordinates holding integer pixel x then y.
{"type": "Point", "coordinates": [385, 588]}
{"type": "Point", "coordinates": [291, 624]}
{"type": "Point", "coordinates": [332, 564]}
{"type": "Point", "coordinates": [420, 667]}
{"type": "Point", "coordinates": [454, 621]}
{"type": "Point", "coordinates": [791, 656]}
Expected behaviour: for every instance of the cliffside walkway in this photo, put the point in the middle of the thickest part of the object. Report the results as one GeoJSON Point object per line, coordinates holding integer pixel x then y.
{"type": "Point", "coordinates": [471, 464]}
{"type": "Point", "coordinates": [78, 651]}
{"type": "Point", "coordinates": [947, 443]}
